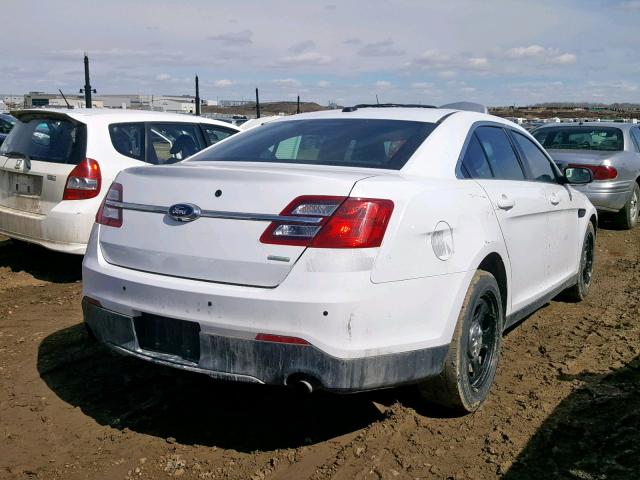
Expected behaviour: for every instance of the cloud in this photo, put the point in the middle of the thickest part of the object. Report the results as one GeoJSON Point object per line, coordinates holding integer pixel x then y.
{"type": "Point", "coordinates": [421, 85]}
{"type": "Point", "coordinates": [549, 55]}
{"type": "Point", "coordinates": [302, 46]}
{"type": "Point", "coordinates": [286, 82]}
{"type": "Point", "coordinates": [383, 48]}
{"type": "Point", "coordinates": [322, 84]}
{"type": "Point", "coordinates": [233, 39]}
{"type": "Point", "coordinates": [564, 59]}
{"type": "Point", "coordinates": [478, 62]}
{"type": "Point", "coordinates": [447, 64]}
{"type": "Point", "coordinates": [223, 83]}
{"type": "Point", "coordinates": [306, 58]}
{"type": "Point", "coordinates": [330, 7]}
{"type": "Point", "coordinates": [448, 74]}
{"type": "Point", "coordinates": [431, 58]}
{"type": "Point", "coordinates": [383, 84]}
{"type": "Point", "coordinates": [163, 77]}
{"type": "Point", "coordinates": [352, 41]}
{"type": "Point", "coordinates": [526, 52]}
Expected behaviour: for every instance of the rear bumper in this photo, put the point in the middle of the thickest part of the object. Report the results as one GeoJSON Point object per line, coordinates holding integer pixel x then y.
{"type": "Point", "coordinates": [65, 228]}
{"type": "Point", "coordinates": [608, 196]}
{"type": "Point", "coordinates": [247, 360]}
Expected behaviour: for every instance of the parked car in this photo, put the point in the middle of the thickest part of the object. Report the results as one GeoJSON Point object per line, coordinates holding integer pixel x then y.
{"type": "Point", "coordinates": [6, 124]}
{"type": "Point", "coordinates": [342, 250]}
{"type": "Point", "coordinates": [56, 165]}
{"type": "Point", "coordinates": [611, 150]}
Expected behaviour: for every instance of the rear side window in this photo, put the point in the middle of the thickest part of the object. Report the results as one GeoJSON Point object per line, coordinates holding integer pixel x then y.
{"type": "Point", "coordinates": [172, 142]}
{"type": "Point", "coordinates": [500, 154]}
{"type": "Point", "coordinates": [344, 142]}
{"type": "Point", "coordinates": [581, 138]}
{"type": "Point", "coordinates": [47, 139]}
{"type": "Point", "coordinates": [214, 133]}
{"type": "Point", "coordinates": [539, 165]}
{"type": "Point", "coordinates": [128, 139]}
{"type": "Point", "coordinates": [474, 163]}
{"type": "Point", "coordinates": [5, 126]}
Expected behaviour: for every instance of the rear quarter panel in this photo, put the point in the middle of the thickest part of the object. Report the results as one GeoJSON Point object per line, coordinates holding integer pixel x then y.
{"type": "Point", "coordinates": [423, 207]}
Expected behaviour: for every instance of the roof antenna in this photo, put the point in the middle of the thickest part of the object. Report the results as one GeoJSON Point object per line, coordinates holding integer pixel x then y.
{"type": "Point", "coordinates": [65, 100]}
{"type": "Point", "coordinates": [377, 101]}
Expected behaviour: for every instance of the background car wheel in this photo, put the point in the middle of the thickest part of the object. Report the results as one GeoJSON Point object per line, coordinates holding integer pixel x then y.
{"type": "Point", "coordinates": [473, 355]}
{"type": "Point", "coordinates": [579, 291]}
{"type": "Point", "coordinates": [627, 218]}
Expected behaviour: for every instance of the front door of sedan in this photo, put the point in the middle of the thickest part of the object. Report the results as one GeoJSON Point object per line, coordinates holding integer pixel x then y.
{"type": "Point", "coordinates": [521, 209]}
{"type": "Point", "coordinates": [564, 237]}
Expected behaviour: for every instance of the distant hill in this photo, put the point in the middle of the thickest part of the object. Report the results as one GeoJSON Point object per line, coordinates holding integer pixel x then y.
{"type": "Point", "coordinates": [267, 108]}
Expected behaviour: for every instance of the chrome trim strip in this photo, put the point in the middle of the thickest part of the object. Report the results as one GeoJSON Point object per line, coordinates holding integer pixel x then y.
{"type": "Point", "coordinates": [259, 217]}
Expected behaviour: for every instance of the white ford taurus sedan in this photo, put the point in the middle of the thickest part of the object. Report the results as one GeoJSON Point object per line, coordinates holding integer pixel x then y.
{"type": "Point", "coordinates": [56, 165]}
{"type": "Point", "coordinates": [342, 250]}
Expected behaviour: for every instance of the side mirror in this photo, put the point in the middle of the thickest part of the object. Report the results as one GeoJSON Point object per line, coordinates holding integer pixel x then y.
{"type": "Point", "coordinates": [578, 175]}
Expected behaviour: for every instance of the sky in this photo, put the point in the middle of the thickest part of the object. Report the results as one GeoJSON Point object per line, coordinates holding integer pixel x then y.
{"type": "Point", "coordinates": [495, 52]}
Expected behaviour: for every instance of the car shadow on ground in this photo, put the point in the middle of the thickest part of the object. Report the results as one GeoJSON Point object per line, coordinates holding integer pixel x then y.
{"type": "Point", "coordinates": [128, 393]}
{"type": "Point", "coordinates": [43, 264]}
{"type": "Point", "coordinates": [593, 434]}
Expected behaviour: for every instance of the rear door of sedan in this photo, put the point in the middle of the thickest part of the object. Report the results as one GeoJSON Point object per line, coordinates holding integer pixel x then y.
{"type": "Point", "coordinates": [521, 208]}
{"type": "Point", "coordinates": [563, 209]}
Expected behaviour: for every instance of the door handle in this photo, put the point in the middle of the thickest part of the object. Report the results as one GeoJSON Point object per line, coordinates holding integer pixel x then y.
{"type": "Point", "coordinates": [506, 203]}
{"type": "Point", "coordinates": [554, 199]}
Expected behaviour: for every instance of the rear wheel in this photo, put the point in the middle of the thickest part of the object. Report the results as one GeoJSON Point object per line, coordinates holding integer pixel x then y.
{"type": "Point", "coordinates": [473, 355]}
{"type": "Point", "coordinates": [627, 218]}
{"type": "Point", "coordinates": [579, 291]}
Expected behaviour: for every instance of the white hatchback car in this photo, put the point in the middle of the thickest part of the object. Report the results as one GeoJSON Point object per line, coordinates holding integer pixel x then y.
{"type": "Point", "coordinates": [54, 164]}
{"type": "Point", "coordinates": [343, 250]}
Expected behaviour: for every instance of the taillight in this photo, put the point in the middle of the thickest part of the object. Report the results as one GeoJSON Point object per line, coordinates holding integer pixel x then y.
{"type": "Point", "coordinates": [344, 223]}
{"type": "Point", "coordinates": [109, 214]}
{"type": "Point", "coordinates": [84, 181]}
{"type": "Point", "coordinates": [600, 172]}
{"type": "Point", "coordinates": [267, 337]}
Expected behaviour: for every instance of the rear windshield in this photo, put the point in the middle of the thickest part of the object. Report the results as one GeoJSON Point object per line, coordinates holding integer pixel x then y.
{"type": "Point", "coordinates": [353, 142]}
{"type": "Point", "coordinates": [48, 139]}
{"type": "Point", "coordinates": [581, 138]}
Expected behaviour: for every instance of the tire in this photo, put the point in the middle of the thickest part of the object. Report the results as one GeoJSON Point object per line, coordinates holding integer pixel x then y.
{"type": "Point", "coordinates": [627, 218]}
{"type": "Point", "coordinates": [471, 365]}
{"type": "Point", "coordinates": [579, 291]}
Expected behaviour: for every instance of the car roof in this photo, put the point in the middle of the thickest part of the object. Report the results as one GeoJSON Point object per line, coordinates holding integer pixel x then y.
{"type": "Point", "coordinates": [431, 115]}
{"type": "Point", "coordinates": [117, 115]}
{"type": "Point", "coordinates": [417, 114]}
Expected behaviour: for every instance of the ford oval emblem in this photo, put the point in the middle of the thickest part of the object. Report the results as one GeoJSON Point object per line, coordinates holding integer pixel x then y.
{"type": "Point", "coordinates": [184, 212]}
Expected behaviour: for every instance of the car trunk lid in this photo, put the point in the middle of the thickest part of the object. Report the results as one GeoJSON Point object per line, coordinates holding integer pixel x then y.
{"type": "Point", "coordinates": [583, 157]}
{"type": "Point", "coordinates": [226, 250]}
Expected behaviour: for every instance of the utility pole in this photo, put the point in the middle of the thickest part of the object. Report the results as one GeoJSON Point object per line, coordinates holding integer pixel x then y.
{"type": "Point", "coordinates": [257, 104]}
{"type": "Point", "coordinates": [298, 105]}
{"type": "Point", "coordinates": [87, 84]}
{"type": "Point", "coordinates": [197, 97]}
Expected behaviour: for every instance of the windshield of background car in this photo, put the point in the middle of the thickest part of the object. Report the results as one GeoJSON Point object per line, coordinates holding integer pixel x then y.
{"type": "Point", "coordinates": [47, 139]}
{"type": "Point", "coordinates": [581, 138]}
{"type": "Point", "coordinates": [365, 143]}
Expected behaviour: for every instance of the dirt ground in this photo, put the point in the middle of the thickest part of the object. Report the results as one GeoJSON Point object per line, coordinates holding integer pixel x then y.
{"type": "Point", "coordinates": [566, 403]}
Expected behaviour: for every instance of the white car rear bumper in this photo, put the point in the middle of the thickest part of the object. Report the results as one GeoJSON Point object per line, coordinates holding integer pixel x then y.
{"type": "Point", "coordinates": [64, 228]}
{"type": "Point", "coordinates": [362, 335]}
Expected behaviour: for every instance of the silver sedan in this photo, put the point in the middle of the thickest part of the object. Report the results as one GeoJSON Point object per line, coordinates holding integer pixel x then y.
{"type": "Point", "coordinates": [611, 150]}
